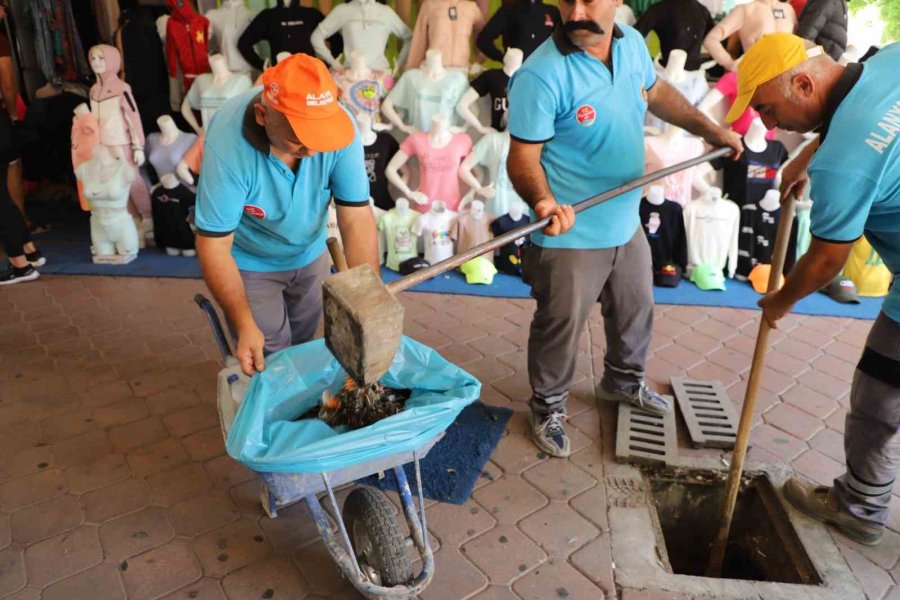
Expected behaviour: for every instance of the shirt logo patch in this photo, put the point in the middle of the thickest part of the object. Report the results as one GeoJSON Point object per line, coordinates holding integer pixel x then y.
{"type": "Point", "coordinates": [322, 99]}
{"type": "Point", "coordinates": [586, 115]}
{"type": "Point", "coordinates": [252, 210]}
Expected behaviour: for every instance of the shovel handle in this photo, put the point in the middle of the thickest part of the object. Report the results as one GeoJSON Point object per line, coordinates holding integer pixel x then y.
{"type": "Point", "coordinates": [445, 265]}
{"type": "Point", "coordinates": [336, 250]}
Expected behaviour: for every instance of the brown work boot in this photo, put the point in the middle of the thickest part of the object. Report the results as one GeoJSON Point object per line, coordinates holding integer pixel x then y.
{"type": "Point", "coordinates": [818, 502]}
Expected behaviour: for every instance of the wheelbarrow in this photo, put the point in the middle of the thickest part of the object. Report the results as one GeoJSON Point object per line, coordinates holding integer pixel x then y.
{"type": "Point", "coordinates": [367, 543]}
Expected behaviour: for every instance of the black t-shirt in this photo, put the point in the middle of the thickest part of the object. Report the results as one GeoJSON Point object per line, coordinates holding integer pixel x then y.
{"type": "Point", "coordinates": [143, 54]}
{"type": "Point", "coordinates": [680, 25]}
{"type": "Point", "coordinates": [494, 82]}
{"type": "Point", "coordinates": [170, 212]}
{"type": "Point", "coordinates": [509, 260]}
{"type": "Point", "coordinates": [287, 29]}
{"type": "Point", "coordinates": [664, 227]}
{"type": "Point", "coordinates": [747, 179]}
{"type": "Point", "coordinates": [523, 25]}
{"type": "Point", "coordinates": [377, 157]}
{"type": "Point", "coordinates": [756, 241]}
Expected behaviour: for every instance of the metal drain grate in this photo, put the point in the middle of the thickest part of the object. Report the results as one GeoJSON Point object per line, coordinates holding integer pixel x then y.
{"type": "Point", "coordinates": [642, 437]}
{"type": "Point", "coordinates": [708, 412]}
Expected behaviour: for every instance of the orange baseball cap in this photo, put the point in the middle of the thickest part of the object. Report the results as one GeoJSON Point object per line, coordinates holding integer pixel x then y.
{"type": "Point", "coordinates": [759, 278]}
{"type": "Point", "coordinates": [302, 89]}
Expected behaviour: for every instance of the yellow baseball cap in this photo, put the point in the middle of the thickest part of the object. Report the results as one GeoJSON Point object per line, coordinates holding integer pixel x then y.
{"type": "Point", "coordinates": [769, 57]}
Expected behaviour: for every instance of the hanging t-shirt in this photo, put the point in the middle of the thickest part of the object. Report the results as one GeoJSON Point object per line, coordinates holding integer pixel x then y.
{"type": "Point", "coordinates": [661, 152]}
{"type": "Point", "coordinates": [521, 24]}
{"type": "Point", "coordinates": [756, 242]}
{"type": "Point", "coordinates": [434, 227]}
{"type": "Point", "coordinates": [664, 226]}
{"type": "Point", "coordinates": [712, 231]}
{"type": "Point", "coordinates": [747, 179]}
{"type": "Point", "coordinates": [680, 25]}
{"type": "Point", "coordinates": [727, 85]}
{"type": "Point", "coordinates": [228, 23]}
{"type": "Point", "coordinates": [207, 95]}
{"type": "Point", "coordinates": [422, 97]}
{"type": "Point", "coordinates": [165, 157]}
{"type": "Point", "coordinates": [438, 167]}
{"type": "Point", "coordinates": [494, 82]}
{"type": "Point", "coordinates": [867, 270]}
{"type": "Point", "coordinates": [377, 156]}
{"type": "Point", "coordinates": [364, 96]}
{"type": "Point", "coordinates": [692, 86]}
{"type": "Point", "coordinates": [468, 232]}
{"type": "Point", "coordinates": [170, 212]}
{"type": "Point", "coordinates": [509, 257]}
{"type": "Point", "coordinates": [492, 151]}
{"type": "Point", "coordinates": [399, 236]}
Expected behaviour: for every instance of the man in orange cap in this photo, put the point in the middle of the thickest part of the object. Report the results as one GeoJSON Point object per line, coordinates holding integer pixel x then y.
{"type": "Point", "coordinates": [855, 178]}
{"type": "Point", "coordinates": [274, 158]}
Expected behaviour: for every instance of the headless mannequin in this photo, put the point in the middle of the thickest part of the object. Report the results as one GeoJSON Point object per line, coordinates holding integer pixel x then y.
{"type": "Point", "coordinates": [438, 137]}
{"type": "Point", "coordinates": [755, 139]}
{"type": "Point", "coordinates": [771, 201]}
{"type": "Point", "coordinates": [365, 99]}
{"type": "Point", "coordinates": [656, 195]}
{"type": "Point", "coordinates": [168, 134]}
{"type": "Point", "coordinates": [220, 75]}
{"type": "Point", "coordinates": [675, 140]}
{"type": "Point", "coordinates": [751, 21]}
{"type": "Point", "coordinates": [107, 181]}
{"type": "Point", "coordinates": [512, 60]}
{"type": "Point", "coordinates": [712, 195]}
{"type": "Point", "coordinates": [471, 229]}
{"type": "Point", "coordinates": [433, 69]}
{"type": "Point", "coordinates": [227, 24]}
{"type": "Point", "coordinates": [486, 191]}
{"type": "Point", "coordinates": [170, 182]}
{"type": "Point", "coordinates": [85, 136]}
{"type": "Point", "coordinates": [384, 23]}
{"type": "Point", "coordinates": [516, 210]}
{"type": "Point", "coordinates": [674, 71]}
{"type": "Point", "coordinates": [366, 131]}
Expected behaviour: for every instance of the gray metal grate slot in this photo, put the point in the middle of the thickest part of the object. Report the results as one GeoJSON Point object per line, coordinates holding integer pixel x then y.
{"type": "Point", "coordinates": [642, 437]}
{"type": "Point", "coordinates": [708, 412]}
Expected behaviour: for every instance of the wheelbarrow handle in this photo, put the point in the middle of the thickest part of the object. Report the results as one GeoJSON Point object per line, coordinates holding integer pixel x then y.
{"type": "Point", "coordinates": [445, 265]}
{"type": "Point", "coordinates": [216, 325]}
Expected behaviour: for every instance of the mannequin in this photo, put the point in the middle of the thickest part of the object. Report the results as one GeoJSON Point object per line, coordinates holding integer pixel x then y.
{"type": "Point", "coordinates": [365, 26]}
{"type": "Point", "coordinates": [362, 89]}
{"type": "Point", "coordinates": [680, 25]}
{"type": "Point", "coordinates": [663, 223]}
{"type": "Point", "coordinates": [106, 181]}
{"type": "Point", "coordinates": [523, 24]}
{"type": "Point", "coordinates": [471, 228]}
{"type": "Point", "coordinates": [756, 242]}
{"type": "Point", "coordinates": [434, 227]}
{"type": "Point", "coordinates": [496, 83]}
{"type": "Point", "coordinates": [190, 164]}
{"type": "Point", "coordinates": [691, 84]}
{"type": "Point", "coordinates": [287, 27]}
{"type": "Point", "coordinates": [440, 154]}
{"type": "Point", "coordinates": [211, 90]}
{"type": "Point", "coordinates": [491, 151]}
{"type": "Point", "coordinates": [397, 226]}
{"type": "Point", "coordinates": [625, 16]}
{"type": "Point", "coordinates": [751, 21]}
{"type": "Point", "coordinates": [755, 138]}
{"type": "Point", "coordinates": [719, 99]}
{"type": "Point", "coordinates": [423, 92]}
{"type": "Point", "coordinates": [120, 123]}
{"type": "Point", "coordinates": [448, 26]}
{"type": "Point", "coordinates": [378, 148]}
{"type": "Point", "coordinates": [747, 179]}
{"type": "Point", "coordinates": [187, 42]}
{"type": "Point", "coordinates": [168, 147]}
{"type": "Point", "coordinates": [509, 257]}
{"type": "Point", "coordinates": [712, 224]}
{"type": "Point", "coordinates": [665, 150]}
{"type": "Point", "coordinates": [227, 24]}
{"type": "Point", "coordinates": [85, 135]}
{"type": "Point", "coordinates": [172, 202]}
{"type": "Point", "coordinates": [656, 195]}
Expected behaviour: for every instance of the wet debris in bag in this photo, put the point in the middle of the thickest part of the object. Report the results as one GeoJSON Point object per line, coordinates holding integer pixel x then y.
{"type": "Point", "coordinates": [358, 407]}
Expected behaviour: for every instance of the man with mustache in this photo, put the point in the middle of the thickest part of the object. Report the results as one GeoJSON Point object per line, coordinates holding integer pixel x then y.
{"type": "Point", "coordinates": [854, 170]}
{"type": "Point", "coordinates": [576, 115]}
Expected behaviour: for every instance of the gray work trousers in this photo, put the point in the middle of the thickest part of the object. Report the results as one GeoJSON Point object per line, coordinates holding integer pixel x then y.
{"type": "Point", "coordinates": [872, 432]}
{"type": "Point", "coordinates": [566, 285]}
{"type": "Point", "coordinates": [287, 305]}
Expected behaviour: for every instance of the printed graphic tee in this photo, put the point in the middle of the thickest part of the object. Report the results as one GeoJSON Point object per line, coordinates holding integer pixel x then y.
{"type": "Point", "coordinates": [170, 213]}
{"type": "Point", "coordinates": [434, 227]}
{"type": "Point", "coordinates": [747, 179]}
{"type": "Point", "coordinates": [438, 167]}
{"type": "Point", "coordinates": [664, 226]}
{"type": "Point", "coordinates": [377, 156]}
{"type": "Point", "coordinates": [364, 96]}
{"type": "Point", "coordinates": [399, 236]}
{"type": "Point", "coordinates": [712, 231]}
{"type": "Point", "coordinates": [509, 257]}
{"type": "Point", "coordinates": [494, 82]}
{"type": "Point", "coordinates": [756, 242]}
{"type": "Point", "coordinates": [207, 95]}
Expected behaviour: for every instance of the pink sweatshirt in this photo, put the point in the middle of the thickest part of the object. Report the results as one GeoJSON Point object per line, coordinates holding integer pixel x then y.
{"type": "Point", "coordinates": [448, 26]}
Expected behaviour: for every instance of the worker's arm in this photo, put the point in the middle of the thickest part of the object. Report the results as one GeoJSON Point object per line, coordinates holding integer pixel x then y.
{"type": "Point", "coordinates": [714, 40]}
{"type": "Point", "coordinates": [668, 104]}
{"type": "Point", "coordinates": [224, 281]}
{"type": "Point", "coordinates": [8, 88]}
{"type": "Point", "coordinates": [357, 225]}
{"type": "Point", "coordinates": [815, 269]}
{"type": "Point", "coordinates": [527, 175]}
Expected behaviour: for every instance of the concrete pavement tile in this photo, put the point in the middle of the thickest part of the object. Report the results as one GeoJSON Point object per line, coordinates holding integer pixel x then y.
{"type": "Point", "coordinates": [179, 484]}
{"type": "Point", "coordinates": [40, 521]}
{"type": "Point", "coordinates": [825, 384]}
{"type": "Point", "coordinates": [83, 448]}
{"type": "Point", "coordinates": [293, 529]}
{"type": "Point", "coordinates": [454, 577]}
{"type": "Point", "coordinates": [121, 412]}
{"type": "Point", "coordinates": [205, 444]}
{"type": "Point", "coordinates": [556, 580]}
{"type": "Point", "coordinates": [68, 553]}
{"type": "Point", "coordinates": [874, 580]}
{"type": "Point", "coordinates": [25, 462]}
{"type": "Point", "coordinates": [837, 420]}
{"type": "Point", "coordinates": [322, 573]}
{"type": "Point", "coordinates": [592, 505]}
{"type": "Point", "coordinates": [26, 593]}
{"type": "Point", "coordinates": [12, 570]}
{"type": "Point", "coordinates": [191, 420]}
{"type": "Point", "coordinates": [135, 533]}
{"type": "Point", "coordinates": [792, 420]}
{"type": "Point", "coordinates": [818, 467]}
{"type": "Point", "coordinates": [781, 444]}
{"type": "Point", "coordinates": [160, 571]}
{"type": "Point", "coordinates": [231, 547]}
{"type": "Point", "coordinates": [495, 592]}
{"type": "Point", "coordinates": [226, 472]}
{"type": "Point", "coordinates": [98, 473]}
{"type": "Point", "coordinates": [595, 562]}
{"type": "Point", "coordinates": [503, 554]}
{"type": "Point", "coordinates": [558, 480]}
{"type": "Point", "coordinates": [101, 581]}
{"type": "Point", "coordinates": [139, 433]}
{"type": "Point", "coordinates": [69, 425]}
{"type": "Point", "coordinates": [455, 524]}
{"type": "Point", "coordinates": [515, 453]}
{"type": "Point", "coordinates": [202, 589]}
{"type": "Point", "coordinates": [810, 401]}
{"type": "Point", "coordinates": [167, 401]}
{"type": "Point", "coordinates": [157, 457]}
{"type": "Point", "coordinates": [273, 577]}
{"type": "Point", "coordinates": [104, 393]}
{"type": "Point", "coordinates": [24, 491]}
{"type": "Point", "coordinates": [118, 499]}
{"type": "Point", "coordinates": [509, 499]}
{"type": "Point", "coordinates": [558, 529]}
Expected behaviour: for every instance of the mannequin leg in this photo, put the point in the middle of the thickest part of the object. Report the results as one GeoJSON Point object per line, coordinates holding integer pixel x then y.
{"type": "Point", "coordinates": [124, 233]}
{"type": "Point", "coordinates": [100, 239]}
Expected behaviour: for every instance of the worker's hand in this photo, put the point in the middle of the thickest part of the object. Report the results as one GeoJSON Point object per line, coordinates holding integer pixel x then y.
{"type": "Point", "coordinates": [774, 307]}
{"type": "Point", "coordinates": [794, 179]}
{"type": "Point", "coordinates": [723, 137]}
{"type": "Point", "coordinates": [251, 342]}
{"type": "Point", "coordinates": [563, 216]}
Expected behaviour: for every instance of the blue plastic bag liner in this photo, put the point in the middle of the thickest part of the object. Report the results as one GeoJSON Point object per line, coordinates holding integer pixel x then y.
{"type": "Point", "coordinates": [266, 438]}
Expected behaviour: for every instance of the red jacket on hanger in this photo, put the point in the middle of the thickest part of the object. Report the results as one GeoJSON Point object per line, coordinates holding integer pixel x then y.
{"type": "Point", "coordinates": [187, 41]}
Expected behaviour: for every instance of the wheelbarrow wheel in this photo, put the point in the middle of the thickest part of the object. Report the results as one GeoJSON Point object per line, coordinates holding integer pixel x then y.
{"type": "Point", "coordinates": [377, 541]}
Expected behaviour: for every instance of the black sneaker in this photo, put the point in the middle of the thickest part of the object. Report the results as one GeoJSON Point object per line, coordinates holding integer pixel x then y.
{"type": "Point", "coordinates": [549, 434]}
{"type": "Point", "coordinates": [18, 275]}
{"type": "Point", "coordinates": [36, 258]}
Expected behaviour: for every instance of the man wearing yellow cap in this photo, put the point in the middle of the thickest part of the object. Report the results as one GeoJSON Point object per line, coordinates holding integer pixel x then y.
{"type": "Point", "coordinates": [274, 158]}
{"type": "Point", "coordinates": [855, 178]}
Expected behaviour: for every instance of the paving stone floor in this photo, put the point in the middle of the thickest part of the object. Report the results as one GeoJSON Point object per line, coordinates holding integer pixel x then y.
{"type": "Point", "coordinates": [114, 482]}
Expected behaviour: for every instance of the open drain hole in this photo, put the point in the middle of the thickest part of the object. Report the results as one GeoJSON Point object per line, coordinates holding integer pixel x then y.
{"type": "Point", "coordinates": [762, 546]}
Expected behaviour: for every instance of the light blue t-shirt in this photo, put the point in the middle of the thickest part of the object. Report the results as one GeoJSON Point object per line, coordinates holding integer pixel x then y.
{"type": "Point", "coordinates": [591, 124]}
{"type": "Point", "coordinates": [855, 173]}
{"type": "Point", "coordinates": [278, 216]}
{"type": "Point", "coordinates": [422, 98]}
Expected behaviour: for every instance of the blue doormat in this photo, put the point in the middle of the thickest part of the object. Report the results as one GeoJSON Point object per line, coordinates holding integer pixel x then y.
{"type": "Point", "coordinates": [67, 247]}
{"type": "Point", "coordinates": [455, 463]}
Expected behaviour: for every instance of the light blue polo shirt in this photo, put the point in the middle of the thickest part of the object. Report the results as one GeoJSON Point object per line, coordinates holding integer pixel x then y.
{"type": "Point", "coordinates": [278, 216]}
{"type": "Point", "coordinates": [591, 124]}
{"type": "Point", "coordinates": [855, 173]}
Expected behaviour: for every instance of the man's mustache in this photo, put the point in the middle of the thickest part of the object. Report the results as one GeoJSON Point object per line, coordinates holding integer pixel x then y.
{"type": "Point", "coordinates": [591, 26]}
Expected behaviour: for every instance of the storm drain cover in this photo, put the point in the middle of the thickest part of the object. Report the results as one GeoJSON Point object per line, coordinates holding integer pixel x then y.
{"type": "Point", "coordinates": [708, 412]}
{"type": "Point", "coordinates": [643, 437]}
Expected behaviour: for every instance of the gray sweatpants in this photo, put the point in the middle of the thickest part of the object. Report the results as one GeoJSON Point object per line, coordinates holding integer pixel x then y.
{"type": "Point", "coordinates": [566, 285]}
{"type": "Point", "coordinates": [872, 432]}
{"type": "Point", "coordinates": [287, 305]}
